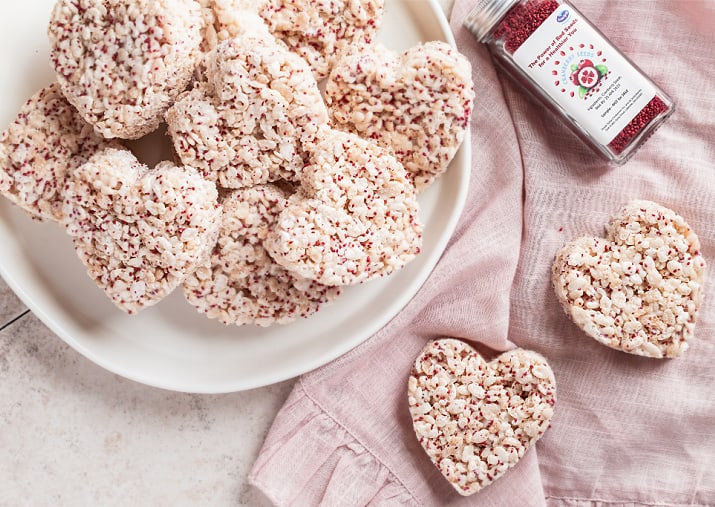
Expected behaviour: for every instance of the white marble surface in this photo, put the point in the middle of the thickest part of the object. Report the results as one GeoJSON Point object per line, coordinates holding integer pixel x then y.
{"type": "Point", "coordinates": [74, 434]}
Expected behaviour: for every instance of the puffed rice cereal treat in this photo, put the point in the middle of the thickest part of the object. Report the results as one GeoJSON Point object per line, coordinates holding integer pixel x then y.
{"type": "Point", "coordinates": [354, 218]}
{"type": "Point", "coordinates": [242, 284]}
{"type": "Point", "coordinates": [121, 63]}
{"type": "Point", "coordinates": [417, 103]}
{"type": "Point", "coordinates": [140, 232]}
{"type": "Point", "coordinates": [321, 30]}
{"type": "Point", "coordinates": [227, 19]}
{"type": "Point", "coordinates": [247, 125]}
{"type": "Point", "coordinates": [639, 289]}
{"type": "Point", "coordinates": [476, 419]}
{"type": "Point", "coordinates": [43, 145]}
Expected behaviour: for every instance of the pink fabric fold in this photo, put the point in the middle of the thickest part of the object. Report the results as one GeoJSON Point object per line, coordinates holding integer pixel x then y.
{"type": "Point", "coordinates": [330, 468]}
{"type": "Point", "coordinates": [627, 430]}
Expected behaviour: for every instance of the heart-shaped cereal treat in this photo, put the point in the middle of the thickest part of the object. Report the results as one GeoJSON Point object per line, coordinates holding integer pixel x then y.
{"type": "Point", "coordinates": [247, 124]}
{"type": "Point", "coordinates": [416, 103]}
{"type": "Point", "coordinates": [639, 289]}
{"type": "Point", "coordinates": [121, 63]}
{"type": "Point", "coordinates": [241, 284]}
{"type": "Point", "coordinates": [476, 419]}
{"type": "Point", "coordinates": [321, 30]}
{"type": "Point", "coordinates": [43, 145]}
{"type": "Point", "coordinates": [354, 217]}
{"type": "Point", "coordinates": [140, 232]}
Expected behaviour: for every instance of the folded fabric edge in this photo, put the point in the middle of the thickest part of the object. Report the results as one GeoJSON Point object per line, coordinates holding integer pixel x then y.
{"type": "Point", "coordinates": [335, 467]}
{"type": "Point", "coordinates": [553, 501]}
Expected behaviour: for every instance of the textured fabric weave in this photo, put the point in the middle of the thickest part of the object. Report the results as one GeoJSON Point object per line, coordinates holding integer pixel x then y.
{"type": "Point", "coordinates": [627, 430]}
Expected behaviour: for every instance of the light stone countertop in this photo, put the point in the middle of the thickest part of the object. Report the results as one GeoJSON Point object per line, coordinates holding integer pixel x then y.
{"type": "Point", "coordinates": [73, 434]}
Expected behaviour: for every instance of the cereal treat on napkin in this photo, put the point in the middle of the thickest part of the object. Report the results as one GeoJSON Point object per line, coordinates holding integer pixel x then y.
{"type": "Point", "coordinates": [354, 218]}
{"type": "Point", "coordinates": [122, 62]}
{"type": "Point", "coordinates": [45, 143]}
{"type": "Point", "coordinates": [247, 124]}
{"type": "Point", "coordinates": [476, 419]}
{"type": "Point", "coordinates": [241, 284]}
{"type": "Point", "coordinates": [321, 30]}
{"type": "Point", "coordinates": [639, 289]}
{"type": "Point", "coordinates": [417, 103]}
{"type": "Point", "coordinates": [140, 232]}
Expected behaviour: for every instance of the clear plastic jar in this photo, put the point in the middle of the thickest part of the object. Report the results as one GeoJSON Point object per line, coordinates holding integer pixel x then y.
{"type": "Point", "coordinates": [570, 66]}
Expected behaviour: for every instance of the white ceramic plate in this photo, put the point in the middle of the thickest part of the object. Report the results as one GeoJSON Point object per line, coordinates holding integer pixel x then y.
{"type": "Point", "coordinates": [171, 345]}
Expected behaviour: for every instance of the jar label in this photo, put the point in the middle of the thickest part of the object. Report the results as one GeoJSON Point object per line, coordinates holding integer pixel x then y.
{"type": "Point", "coordinates": [584, 74]}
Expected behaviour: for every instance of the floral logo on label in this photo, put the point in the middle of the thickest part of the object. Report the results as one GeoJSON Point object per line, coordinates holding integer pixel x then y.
{"type": "Point", "coordinates": [577, 67]}
{"type": "Point", "coordinates": [586, 75]}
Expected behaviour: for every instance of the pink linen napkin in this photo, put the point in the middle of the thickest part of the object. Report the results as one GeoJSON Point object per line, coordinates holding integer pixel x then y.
{"type": "Point", "coordinates": [627, 430]}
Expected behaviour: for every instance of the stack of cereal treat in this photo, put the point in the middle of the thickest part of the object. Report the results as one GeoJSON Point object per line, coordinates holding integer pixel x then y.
{"type": "Point", "coordinates": [278, 195]}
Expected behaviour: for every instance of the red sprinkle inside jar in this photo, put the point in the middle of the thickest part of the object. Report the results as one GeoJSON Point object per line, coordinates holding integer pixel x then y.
{"type": "Point", "coordinates": [568, 64]}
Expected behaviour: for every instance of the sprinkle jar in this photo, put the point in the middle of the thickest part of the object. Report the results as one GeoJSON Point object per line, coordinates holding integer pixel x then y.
{"type": "Point", "coordinates": [574, 70]}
